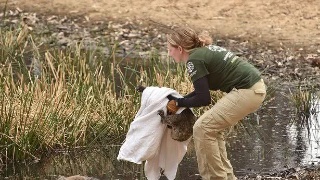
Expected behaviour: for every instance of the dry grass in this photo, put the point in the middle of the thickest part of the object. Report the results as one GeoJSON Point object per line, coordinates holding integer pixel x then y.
{"type": "Point", "coordinates": [55, 99]}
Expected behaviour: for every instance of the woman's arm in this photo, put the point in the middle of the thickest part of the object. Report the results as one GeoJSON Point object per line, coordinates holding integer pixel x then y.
{"type": "Point", "coordinates": [190, 94]}
{"type": "Point", "coordinates": [199, 97]}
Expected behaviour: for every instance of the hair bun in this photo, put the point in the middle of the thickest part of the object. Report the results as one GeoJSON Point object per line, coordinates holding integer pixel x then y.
{"type": "Point", "coordinates": [205, 38]}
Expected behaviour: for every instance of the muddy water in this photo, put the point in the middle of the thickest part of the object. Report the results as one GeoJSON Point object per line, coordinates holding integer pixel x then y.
{"type": "Point", "coordinates": [269, 140]}
{"type": "Point", "coordinates": [276, 141]}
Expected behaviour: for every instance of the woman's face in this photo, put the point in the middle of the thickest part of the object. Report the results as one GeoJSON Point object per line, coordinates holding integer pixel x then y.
{"type": "Point", "coordinates": [177, 53]}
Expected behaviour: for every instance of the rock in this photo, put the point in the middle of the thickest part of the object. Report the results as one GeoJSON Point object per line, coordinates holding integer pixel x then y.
{"type": "Point", "coordinates": [315, 63]}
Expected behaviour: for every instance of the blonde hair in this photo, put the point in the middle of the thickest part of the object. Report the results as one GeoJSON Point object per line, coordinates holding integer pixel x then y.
{"type": "Point", "coordinates": [188, 39]}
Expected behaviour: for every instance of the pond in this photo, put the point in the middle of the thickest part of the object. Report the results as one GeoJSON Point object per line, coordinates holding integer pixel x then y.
{"type": "Point", "coordinates": [266, 141]}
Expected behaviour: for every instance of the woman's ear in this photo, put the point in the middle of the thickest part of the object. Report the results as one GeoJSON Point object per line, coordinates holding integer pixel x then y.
{"type": "Point", "coordinates": [180, 49]}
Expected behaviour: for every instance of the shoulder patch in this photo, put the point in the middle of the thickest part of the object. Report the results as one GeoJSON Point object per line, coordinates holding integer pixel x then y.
{"type": "Point", "coordinates": [190, 67]}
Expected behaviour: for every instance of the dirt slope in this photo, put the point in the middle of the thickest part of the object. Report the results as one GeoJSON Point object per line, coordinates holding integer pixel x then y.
{"type": "Point", "coordinates": [292, 22]}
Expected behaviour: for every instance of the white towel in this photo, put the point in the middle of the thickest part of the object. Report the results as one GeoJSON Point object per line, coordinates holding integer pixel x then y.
{"type": "Point", "coordinates": [149, 140]}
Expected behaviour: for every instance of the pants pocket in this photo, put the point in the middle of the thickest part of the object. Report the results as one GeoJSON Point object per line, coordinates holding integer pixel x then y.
{"type": "Point", "coordinates": [260, 91]}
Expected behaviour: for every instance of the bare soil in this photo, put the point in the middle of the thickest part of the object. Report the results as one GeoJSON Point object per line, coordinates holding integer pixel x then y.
{"type": "Point", "coordinates": [293, 23]}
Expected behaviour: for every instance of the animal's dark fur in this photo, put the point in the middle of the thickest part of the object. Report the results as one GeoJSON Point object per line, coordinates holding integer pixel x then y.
{"type": "Point", "coordinates": [181, 125]}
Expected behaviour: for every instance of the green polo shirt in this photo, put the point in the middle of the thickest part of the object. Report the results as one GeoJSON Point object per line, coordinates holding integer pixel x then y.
{"type": "Point", "coordinates": [224, 69]}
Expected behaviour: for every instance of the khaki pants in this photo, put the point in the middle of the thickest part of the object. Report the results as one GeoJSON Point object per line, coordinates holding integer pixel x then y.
{"type": "Point", "coordinates": [208, 130]}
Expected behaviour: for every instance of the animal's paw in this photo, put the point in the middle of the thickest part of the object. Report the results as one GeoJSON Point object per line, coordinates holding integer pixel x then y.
{"type": "Point", "coordinates": [161, 113]}
{"type": "Point", "coordinates": [140, 88]}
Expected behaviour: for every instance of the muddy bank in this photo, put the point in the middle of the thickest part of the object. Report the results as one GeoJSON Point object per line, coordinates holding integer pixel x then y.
{"type": "Point", "coordinates": [138, 39]}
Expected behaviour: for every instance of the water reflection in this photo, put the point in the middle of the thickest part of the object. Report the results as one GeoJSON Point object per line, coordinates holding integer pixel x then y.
{"type": "Point", "coordinates": [276, 142]}
{"type": "Point", "coordinates": [100, 164]}
{"type": "Point", "coordinates": [267, 141]}
{"type": "Point", "coordinates": [313, 150]}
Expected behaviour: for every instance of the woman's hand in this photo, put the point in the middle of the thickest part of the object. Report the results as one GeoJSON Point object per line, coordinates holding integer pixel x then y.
{"type": "Point", "coordinates": [172, 107]}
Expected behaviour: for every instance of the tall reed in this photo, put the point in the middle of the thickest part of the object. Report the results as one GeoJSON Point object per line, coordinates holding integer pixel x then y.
{"type": "Point", "coordinates": [57, 99]}
{"type": "Point", "coordinates": [62, 99]}
{"type": "Point", "coordinates": [306, 101]}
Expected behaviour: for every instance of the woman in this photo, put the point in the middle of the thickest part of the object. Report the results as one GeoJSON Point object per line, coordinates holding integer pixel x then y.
{"type": "Point", "coordinates": [214, 68]}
